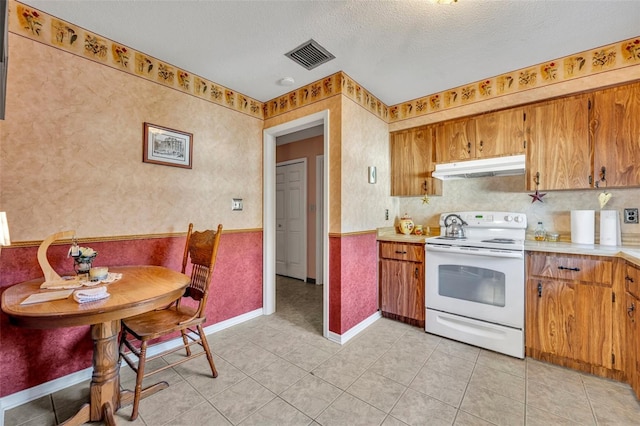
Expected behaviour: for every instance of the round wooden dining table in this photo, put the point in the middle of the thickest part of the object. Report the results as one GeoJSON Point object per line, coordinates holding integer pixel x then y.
{"type": "Point", "coordinates": [141, 289]}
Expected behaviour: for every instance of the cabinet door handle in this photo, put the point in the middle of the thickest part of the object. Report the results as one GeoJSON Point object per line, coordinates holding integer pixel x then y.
{"type": "Point", "coordinates": [565, 268]}
{"type": "Point", "coordinates": [628, 278]}
{"type": "Point", "coordinates": [400, 252]}
{"type": "Point", "coordinates": [539, 289]}
{"type": "Point", "coordinates": [468, 147]}
{"type": "Point", "coordinates": [481, 145]}
{"type": "Point", "coordinates": [417, 273]}
{"type": "Point", "coordinates": [630, 310]}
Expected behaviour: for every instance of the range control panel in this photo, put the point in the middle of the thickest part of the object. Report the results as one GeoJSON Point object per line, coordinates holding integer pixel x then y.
{"type": "Point", "coordinates": [490, 219]}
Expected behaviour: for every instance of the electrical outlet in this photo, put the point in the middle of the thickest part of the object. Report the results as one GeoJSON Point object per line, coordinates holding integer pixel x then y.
{"type": "Point", "coordinates": [386, 214]}
{"type": "Point", "coordinates": [236, 204]}
{"type": "Point", "coordinates": [630, 215]}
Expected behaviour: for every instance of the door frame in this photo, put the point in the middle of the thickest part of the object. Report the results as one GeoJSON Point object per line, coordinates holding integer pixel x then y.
{"type": "Point", "coordinates": [269, 211]}
{"type": "Point", "coordinates": [320, 229]}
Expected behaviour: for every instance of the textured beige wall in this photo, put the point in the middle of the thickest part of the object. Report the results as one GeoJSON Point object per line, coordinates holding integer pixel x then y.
{"type": "Point", "coordinates": [71, 152]}
{"type": "Point", "coordinates": [507, 193]}
{"type": "Point", "coordinates": [365, 142]}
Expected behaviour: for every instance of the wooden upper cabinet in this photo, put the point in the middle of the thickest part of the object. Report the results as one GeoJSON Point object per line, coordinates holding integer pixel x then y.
{"type": "Point", "coordinates": [494, 134]}
{"type": "Point", "coordinates": [455, 140]}
{"type": "Point", "coordinates": [615, 131]}
{"type": "Point", "coordinates": [558, 148]}
{"type": "Point", "coordinates": [412, 161]}
{"type": "Point", "coordinates": [500, 133]}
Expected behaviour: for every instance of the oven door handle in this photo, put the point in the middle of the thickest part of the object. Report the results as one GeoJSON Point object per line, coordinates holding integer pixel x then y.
{"type": "Point", "coordinates": [475, 251]}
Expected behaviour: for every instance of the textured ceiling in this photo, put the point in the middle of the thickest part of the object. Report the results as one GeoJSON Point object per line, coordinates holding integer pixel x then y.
{"type": "Point", "coordinates": [398, 50]}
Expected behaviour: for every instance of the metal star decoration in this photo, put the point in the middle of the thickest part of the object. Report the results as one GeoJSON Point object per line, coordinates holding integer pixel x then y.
{"type": "Point", "coordinates": [425, 199]}
{"type": "Point", "coordinates": [537, 196]}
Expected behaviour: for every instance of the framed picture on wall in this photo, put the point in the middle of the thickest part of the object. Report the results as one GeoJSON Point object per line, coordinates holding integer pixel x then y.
{"type": "Point", "coordinates": [165, 146]}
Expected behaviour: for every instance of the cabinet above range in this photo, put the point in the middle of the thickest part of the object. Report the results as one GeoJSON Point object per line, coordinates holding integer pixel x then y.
{"type": "Point", "coordinates": [589, 140]}
{"type": "Point", "coordinates": [494, 134]}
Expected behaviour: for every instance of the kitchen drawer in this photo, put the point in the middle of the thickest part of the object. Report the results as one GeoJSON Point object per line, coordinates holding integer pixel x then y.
{"type": "Point", "coordinates": [402, 251]}
{"type": "Point", "coordinates": [574, 268]}
{"type": "Point", "coordinates": [632, 280]}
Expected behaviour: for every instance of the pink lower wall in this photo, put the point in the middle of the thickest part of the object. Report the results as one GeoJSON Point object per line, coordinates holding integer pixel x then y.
{"type": "Point", "coordinates": [353, 273]}
{"type": "Point", "coordinates": [32, 357]}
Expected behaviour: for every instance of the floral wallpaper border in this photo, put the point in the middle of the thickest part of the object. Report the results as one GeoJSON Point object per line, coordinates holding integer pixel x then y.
{"type": "Point", "coordinates": [44, 28]}
{"type": "Point", "coordinates": [338, 83]}
{"type": "Point", "coordinates": [613, 56]}
{"type": "Point", "coordinates": [47, 29]}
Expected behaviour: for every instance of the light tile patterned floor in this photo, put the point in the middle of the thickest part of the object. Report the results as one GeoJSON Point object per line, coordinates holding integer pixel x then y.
{"type": "Point", "coordinates": [279, 370]}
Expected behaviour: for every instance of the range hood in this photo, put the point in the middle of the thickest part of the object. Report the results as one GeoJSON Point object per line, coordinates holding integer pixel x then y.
{"type": "Point", "coordinates": [497, 166]}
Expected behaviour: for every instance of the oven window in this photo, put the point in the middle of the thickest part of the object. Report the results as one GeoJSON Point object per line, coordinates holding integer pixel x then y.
{"type": "Point", "coordinates": [472, 283]}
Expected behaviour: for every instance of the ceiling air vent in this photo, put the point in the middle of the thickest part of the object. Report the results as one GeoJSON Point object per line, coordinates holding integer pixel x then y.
{"type": "Point", "coordinates": [310, 55]}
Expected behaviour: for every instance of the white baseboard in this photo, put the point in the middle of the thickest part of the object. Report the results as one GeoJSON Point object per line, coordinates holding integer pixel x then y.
{"type": "Point", "coordinates": [353, 331]}
{"type": "Point", "coordinates": [24, 396]}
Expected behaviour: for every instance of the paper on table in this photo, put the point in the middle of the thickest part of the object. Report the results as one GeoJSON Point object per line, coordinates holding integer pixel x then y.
{"type": "Point", "coordinates": [46, 297]}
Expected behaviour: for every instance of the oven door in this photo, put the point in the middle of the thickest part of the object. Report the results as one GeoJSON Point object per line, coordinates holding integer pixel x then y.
{"type": "Point", "coordinates": [482, 284]}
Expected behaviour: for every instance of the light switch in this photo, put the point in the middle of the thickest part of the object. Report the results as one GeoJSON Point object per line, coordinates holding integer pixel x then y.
{"type": "Point", "coordinates": [236, 204]}
{"type": "Point", "coordinates": [373, 178]}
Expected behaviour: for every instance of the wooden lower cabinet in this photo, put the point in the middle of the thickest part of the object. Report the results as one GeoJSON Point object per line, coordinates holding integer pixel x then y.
{"type": "Point", "coordinates": [632, 324]}
{"type": "Point", "coordinates": [570, 307]}
{"type": "Point", "coordinates": [632, 343]}
{"type": "Point", "coordinates": [569, 320]}
{"type": "Point", "coordinates": [401, 282]}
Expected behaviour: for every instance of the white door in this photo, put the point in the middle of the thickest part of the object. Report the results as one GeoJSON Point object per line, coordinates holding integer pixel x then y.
{"type": "Point", "coordinates": [291, 219]}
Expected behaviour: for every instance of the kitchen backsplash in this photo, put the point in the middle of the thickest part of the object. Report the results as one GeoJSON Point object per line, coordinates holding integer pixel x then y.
{"type": "Point", "coordinates": [506, 194]}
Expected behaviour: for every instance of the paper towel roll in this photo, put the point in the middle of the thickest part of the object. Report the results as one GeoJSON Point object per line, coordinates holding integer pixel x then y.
{"type": "Point", "coordinates": [609, 228]}
{"type": "Point", "coordinates": [583, 226]}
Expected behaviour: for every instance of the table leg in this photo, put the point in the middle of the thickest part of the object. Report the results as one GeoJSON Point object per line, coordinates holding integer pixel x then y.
{"type": "Point", "coordinates": [105, 382]}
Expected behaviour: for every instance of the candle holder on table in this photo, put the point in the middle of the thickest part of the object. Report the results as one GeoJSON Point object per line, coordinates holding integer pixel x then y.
{"type": "Point", "coordinates": [83, 258]}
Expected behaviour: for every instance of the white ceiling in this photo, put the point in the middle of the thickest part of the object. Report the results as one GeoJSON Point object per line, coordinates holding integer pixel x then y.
{"type": "Point", "coordinates": [398, 50]}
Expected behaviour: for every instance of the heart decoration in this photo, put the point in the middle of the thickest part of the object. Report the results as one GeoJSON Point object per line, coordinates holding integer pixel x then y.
{"type": "Point", "coordinates": [604, 198]}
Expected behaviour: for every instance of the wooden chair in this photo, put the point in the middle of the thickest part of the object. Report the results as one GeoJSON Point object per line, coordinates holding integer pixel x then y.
{"type": "Point", "coordinates": [201, 249]}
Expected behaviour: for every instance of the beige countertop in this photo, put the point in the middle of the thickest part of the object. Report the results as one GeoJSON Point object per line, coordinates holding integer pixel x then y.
{"type": "Point", "coordinates": [630, 253]}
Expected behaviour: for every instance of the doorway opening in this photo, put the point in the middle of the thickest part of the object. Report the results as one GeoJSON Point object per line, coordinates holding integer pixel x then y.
{"type": "Point", "coordinates": [269, 213]}
{"type": "Point", "coordinates": [291, 217]}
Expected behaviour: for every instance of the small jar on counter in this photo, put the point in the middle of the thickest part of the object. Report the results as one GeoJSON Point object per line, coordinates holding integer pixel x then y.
{"type": "Point", "coordinates": [539, 234]}
{"type": "Point", "coordinates": [553, 236]}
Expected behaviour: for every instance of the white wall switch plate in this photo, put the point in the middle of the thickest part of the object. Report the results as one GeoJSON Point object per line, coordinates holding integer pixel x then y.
{"type": "Point", "coordinates": [236, 204]}
{"type": "Point", "coordinates": [373, 178]}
